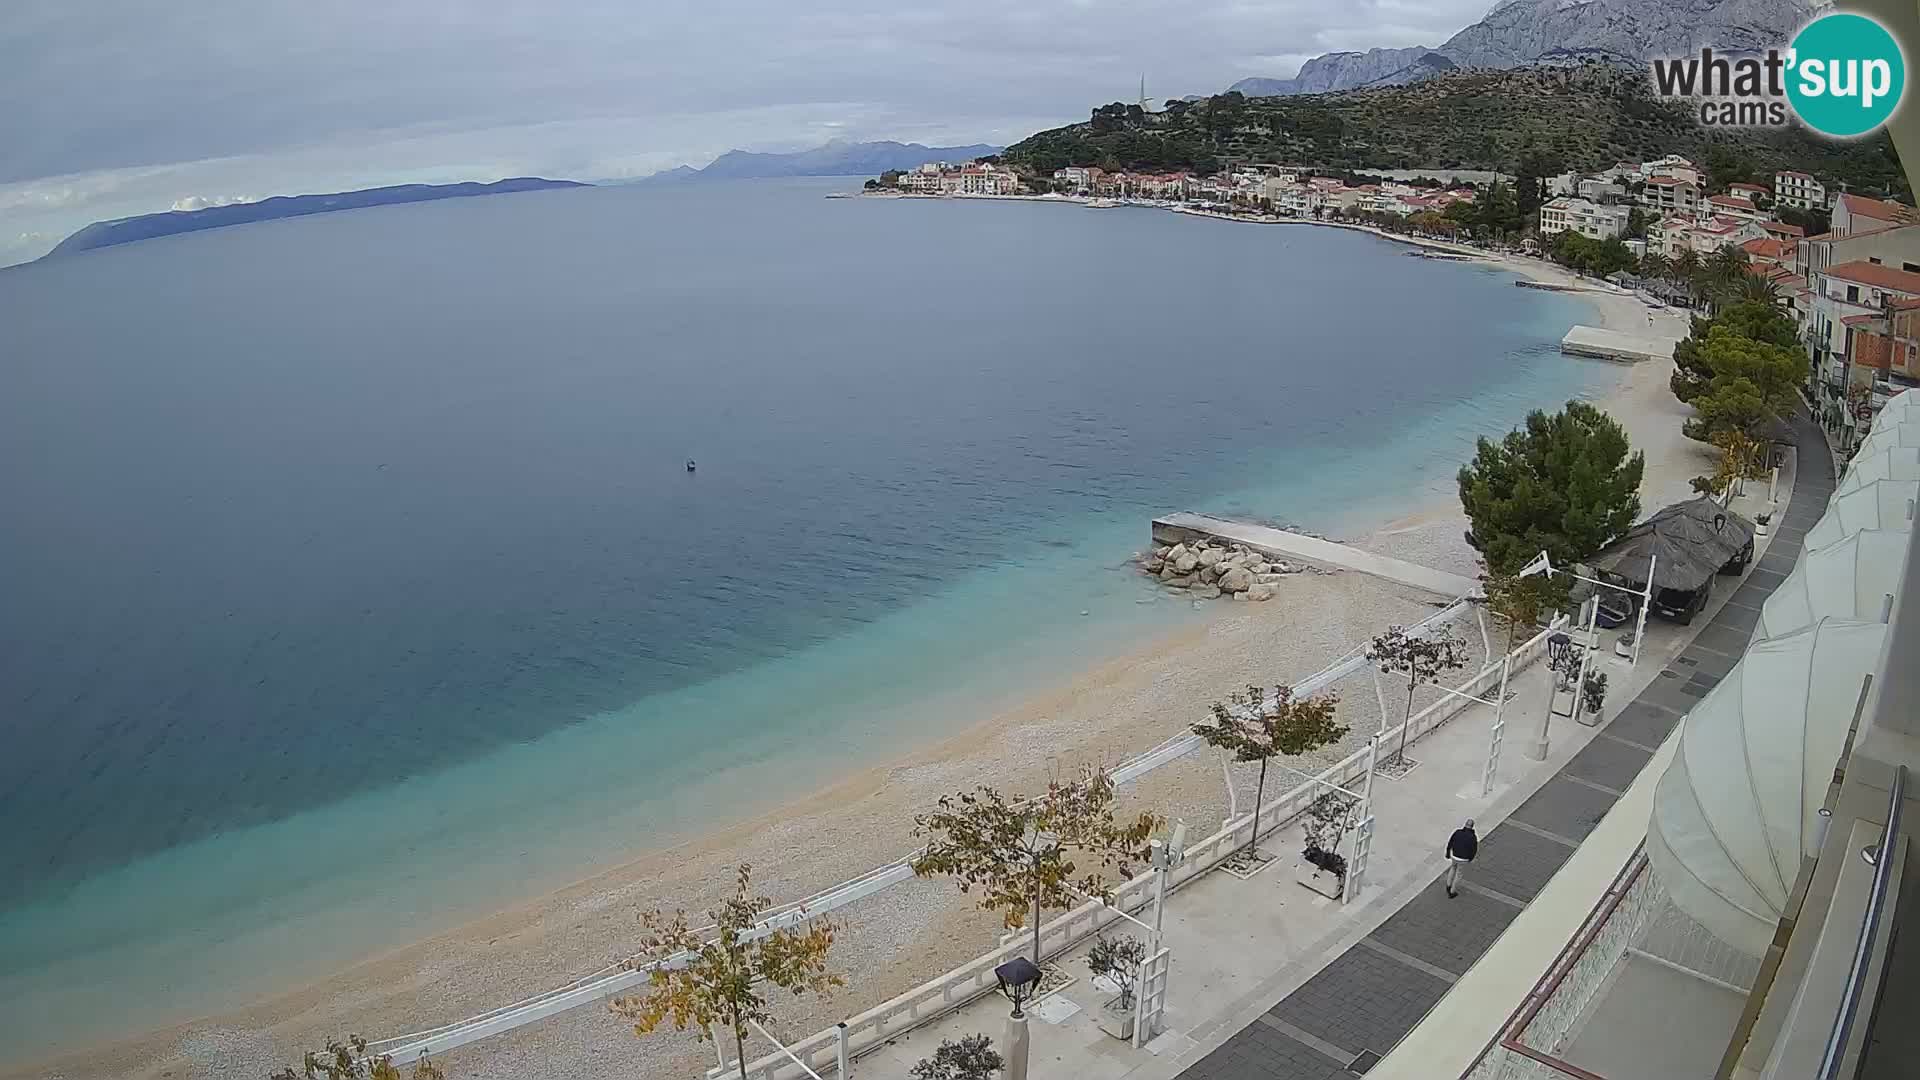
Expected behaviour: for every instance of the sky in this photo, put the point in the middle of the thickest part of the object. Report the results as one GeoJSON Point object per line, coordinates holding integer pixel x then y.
{"type": "Point", "coordinates": [118, 107]}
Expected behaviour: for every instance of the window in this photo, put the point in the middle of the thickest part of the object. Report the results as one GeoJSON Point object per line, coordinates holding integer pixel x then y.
{"type": "Point", "coordinates": [1853, 294]}
{"type": "Point", "coordinates": [1874, 259]}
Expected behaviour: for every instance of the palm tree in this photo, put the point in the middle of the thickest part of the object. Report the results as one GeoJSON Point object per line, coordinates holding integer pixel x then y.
{"type": "Point", "coordinates": [1655, 267]}
{"type": "Point", "coordinates": [1760, 290]}
{"type": "Point", "coordinates": [1686, 274]}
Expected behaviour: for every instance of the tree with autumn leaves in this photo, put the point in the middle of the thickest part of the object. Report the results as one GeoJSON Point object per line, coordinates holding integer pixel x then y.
{"type": "Point", "coordinates": [1023, 855]}
{"type": "Point", "coordinates": [349, 1061]}
{"type": "Point", "coordinates": [1258, 726]}
{"type": "Point", "coordinates": [720, 977]}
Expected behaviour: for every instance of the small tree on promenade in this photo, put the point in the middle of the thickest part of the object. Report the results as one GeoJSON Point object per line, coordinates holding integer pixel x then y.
{"type": "Point", "coordinates": [1021, 853]}
{"type": "Point", "coordinates": [349, 1061]}
{"type": "Point", "coordinates": [1520, 601]}
{"type": "Point", "coordinates": [1256, 726]}
{"type": "Point", "coordinates": [720, 977]}
{"type": "Point", "coordinates": [1421, 658]}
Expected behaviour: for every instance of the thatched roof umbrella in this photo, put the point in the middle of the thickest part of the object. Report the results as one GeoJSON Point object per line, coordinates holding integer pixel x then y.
{"type": "Point", "coordinates": [1687, 543]}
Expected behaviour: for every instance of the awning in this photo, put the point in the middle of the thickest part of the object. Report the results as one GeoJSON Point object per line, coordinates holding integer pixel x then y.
{"type": "Point", "coordinates": [1686, 543]}
{"type": "Point", "coordinates": [1882, 504]}
{"type": "Point", "coordinates": [1736, 809]}
{"type": "Point", "coordinates": [1850, 579]}
{"type": "Point", "coordinates": [1897, 464]}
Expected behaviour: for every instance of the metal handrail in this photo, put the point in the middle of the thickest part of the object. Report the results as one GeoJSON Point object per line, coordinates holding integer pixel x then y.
{"type": "Point", "coordinates": [1869, 932]}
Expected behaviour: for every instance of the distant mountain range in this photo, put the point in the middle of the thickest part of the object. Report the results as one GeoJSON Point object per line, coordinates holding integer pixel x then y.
{"type": "Point", "coordinates": [147, 226]}
{"type": "Point", "coordinates": [834, 159]}
{"type": "Point", "coordinates": [1518, 33]}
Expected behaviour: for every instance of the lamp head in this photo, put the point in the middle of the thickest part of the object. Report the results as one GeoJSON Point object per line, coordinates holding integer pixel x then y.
{"type": "Point", "coordinates": [1018, 979]}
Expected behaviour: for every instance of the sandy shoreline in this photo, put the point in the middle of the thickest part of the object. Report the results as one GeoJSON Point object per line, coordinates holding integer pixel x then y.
{"type": "Point", "coordinates": [895, 940]}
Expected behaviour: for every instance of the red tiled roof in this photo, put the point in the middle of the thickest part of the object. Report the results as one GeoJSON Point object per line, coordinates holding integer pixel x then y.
{"type": "Point", "coordinates": [1733, 201]}
{"type": "Point", "coordinates": [1877, 209]}
{"type": "Point", "coordinates": [1880, 277]}
{"type": "Point", "coordinates": [1664, 181]}
{"type": "Point", "coordinates": [1765, 247]}
{"type": "Point", "coordinates": [1784, 229]}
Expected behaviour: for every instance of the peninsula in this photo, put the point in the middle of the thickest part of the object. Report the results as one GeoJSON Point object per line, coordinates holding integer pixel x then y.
{"type": "Point", "coordinates": [127, 230]}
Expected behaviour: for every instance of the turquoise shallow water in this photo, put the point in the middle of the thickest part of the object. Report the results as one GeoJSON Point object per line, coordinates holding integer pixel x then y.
{"type": "Point", "coordinates": [359, 586]}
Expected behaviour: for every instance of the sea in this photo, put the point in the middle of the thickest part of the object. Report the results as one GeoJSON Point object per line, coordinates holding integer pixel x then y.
{"type": "Point", "coordinates": [364, 573]}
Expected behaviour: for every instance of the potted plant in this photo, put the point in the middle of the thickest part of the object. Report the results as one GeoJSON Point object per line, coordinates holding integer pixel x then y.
{"type": "Point", "coordinates": [1594, 694]}
{"type": "Point", "coordinates": [1117, 960]}
{"type": "Point", "coordinates": [1623, 645]}
{"type": "Point", "coordinates": [1324, 826]}
{"type": "Point", "coordinates": [1761, 523]}
{"type": "Point", "coordinates": [970, 1057]}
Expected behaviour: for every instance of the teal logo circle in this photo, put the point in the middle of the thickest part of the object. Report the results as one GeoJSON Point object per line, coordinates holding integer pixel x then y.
{"type": "Point", "coordinates": [1845, 75]}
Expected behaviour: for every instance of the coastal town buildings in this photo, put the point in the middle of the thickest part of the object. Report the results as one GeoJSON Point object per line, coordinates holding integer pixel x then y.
{"type": "Point", "coordinates": [1588, 218]}
{"type": "Point", "coordinates": [1858, 214]}
{"type": "Point", "coordinates": [1732, 206]}
{"type": "Point", "coordinates": [1671, 167]}
{"type": "Point", "coordinates": [1082, 178]}
{"type": "Point", "coordinates": [1667, 195]}
{"type": "Point", "coordinates": [1673, 237]}
{"type": "Point", "coordinates": [1798, 190]}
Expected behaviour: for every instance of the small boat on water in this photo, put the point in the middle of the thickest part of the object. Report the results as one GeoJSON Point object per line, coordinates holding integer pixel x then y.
{"type": "Point", "coordinates": [1101, 204]}
{"type": "Point", "coordinates": [839, 194]}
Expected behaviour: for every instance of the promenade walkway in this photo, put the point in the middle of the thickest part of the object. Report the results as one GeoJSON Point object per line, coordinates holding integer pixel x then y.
{"type": "Point", "coordinates": [1273, 982]}
{"type": "Point", "coordinates": [1349, 1014]}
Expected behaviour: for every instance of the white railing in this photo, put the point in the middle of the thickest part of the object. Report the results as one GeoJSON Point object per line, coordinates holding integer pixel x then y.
{"type": "Point", "coordinates": [619, 978]}
{"type": "Point", "coordinates": [933, 999]}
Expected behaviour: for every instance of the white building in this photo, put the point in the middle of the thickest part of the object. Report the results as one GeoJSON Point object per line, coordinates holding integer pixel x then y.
{"type": "Point", "coordinates": [1799, 190]}
{"type": "Point", "coordinates": [1671, 167]}
{"type": "Point", "coordinates": [1079, 177]}
{"type": "Point", "coordinates": [1671, 196]}
{"type": "Point", "coordinates": [1675, 236]}
{"type": "Point", "coordinates": [1600, 190]}
{"type": "Point", "coordinates": [1583, 216]}
{"type": "Point", "coordinates": [1731, 206]}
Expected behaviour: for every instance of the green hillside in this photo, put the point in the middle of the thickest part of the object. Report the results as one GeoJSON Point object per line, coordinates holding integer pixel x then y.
{"type": "Point", "coordinates": [1584, 117]}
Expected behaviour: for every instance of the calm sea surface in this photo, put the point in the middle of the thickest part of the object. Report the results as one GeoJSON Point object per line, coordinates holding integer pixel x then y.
{"type": "Point", "coordinates": [352, 582]}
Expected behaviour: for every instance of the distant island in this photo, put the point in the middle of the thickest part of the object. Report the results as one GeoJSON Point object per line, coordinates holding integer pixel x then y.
{"type": "Point", "coordinates": [833, 159]}
{"type": "Point", "coordinates": [148, 226]}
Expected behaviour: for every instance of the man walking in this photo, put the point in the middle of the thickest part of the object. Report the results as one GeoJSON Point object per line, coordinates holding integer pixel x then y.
{"type": "Point", "coordinates": [1462, 846]}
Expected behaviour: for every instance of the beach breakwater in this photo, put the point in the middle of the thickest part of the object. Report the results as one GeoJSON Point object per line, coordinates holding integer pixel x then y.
{"type": "Point", "coordinates": [1208, 570]}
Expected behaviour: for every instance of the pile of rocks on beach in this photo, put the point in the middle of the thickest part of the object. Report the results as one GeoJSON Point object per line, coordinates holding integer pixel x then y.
{"type": "Point", "coordinates": [1209, 569]}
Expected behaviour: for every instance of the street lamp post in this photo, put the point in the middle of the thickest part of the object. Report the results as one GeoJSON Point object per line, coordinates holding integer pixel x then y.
{"type": "Point", "coordinates": [1019, 978]}
{"type": "Point", "coordinates": [1541, 564]}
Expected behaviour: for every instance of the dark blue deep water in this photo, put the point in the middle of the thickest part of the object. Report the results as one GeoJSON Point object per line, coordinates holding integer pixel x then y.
{"type": "Point", "coordinates": [365, 540]}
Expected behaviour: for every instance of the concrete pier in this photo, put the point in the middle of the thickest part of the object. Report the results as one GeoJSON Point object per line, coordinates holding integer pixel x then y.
{"type": "Point", "coordinates": [1298, 547]}
{"type": "Point", "coordinates": [1614, 345]}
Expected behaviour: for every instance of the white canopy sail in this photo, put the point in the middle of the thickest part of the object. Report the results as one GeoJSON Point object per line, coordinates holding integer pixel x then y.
{"type": "Point", "coordinates": [1890, 435]}
{"type": "Point", "coordinates": [1898, 463]}
{"type": "Point", "coordinates": [1851, 579]}
{"type": "Point", "coordinates": [1899, 408]}
{"type": "Point", "coordinates": [1735, 811]}
{"type": "Point", "coordinates": [1882, 504]}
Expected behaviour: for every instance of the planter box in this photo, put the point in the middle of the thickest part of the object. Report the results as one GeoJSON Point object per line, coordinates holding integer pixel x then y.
{"type": "Point", "coordinates": [1115, 1020]}
{"type": "Point", "coordinates": [1320, 881]}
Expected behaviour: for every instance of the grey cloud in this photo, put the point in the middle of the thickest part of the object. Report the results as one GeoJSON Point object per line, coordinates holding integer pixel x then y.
{"type": "Point", "coordinates": [555, 85]}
